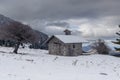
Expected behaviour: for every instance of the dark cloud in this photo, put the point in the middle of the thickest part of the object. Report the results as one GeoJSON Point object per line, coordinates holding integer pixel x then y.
{"type": "Point", "coordinates": [58, 23]}
{"type": "Point", "coordinates": [42, 14]}
{"type": "Point", "coordinates": [60, 9]}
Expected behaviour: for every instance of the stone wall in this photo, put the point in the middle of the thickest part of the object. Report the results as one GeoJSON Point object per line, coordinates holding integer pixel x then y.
{"type": "Point", "coordinates": [57, 47]}
{"type": "Point", "coordinates": [74, 49]}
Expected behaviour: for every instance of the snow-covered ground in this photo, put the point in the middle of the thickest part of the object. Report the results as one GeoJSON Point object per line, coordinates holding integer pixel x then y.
{"type": "Point", "coordinates": [37, 64]}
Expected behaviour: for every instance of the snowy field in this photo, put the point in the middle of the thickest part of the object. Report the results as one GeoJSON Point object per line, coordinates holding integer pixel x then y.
{"type": "Point", "coordinates": [38, 65]}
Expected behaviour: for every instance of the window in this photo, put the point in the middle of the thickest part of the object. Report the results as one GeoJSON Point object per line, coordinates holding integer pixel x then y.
{"type": "Point", "coordinates": [73, 45]}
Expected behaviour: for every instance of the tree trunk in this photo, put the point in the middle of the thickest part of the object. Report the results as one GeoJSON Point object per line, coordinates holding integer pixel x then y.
{"type": "Point", "coordinates": [16, 47]}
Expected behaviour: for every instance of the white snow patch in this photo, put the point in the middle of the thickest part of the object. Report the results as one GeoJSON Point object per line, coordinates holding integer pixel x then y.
{"type": "Point", "coordinates": [37, 64]}
{"type": "Point", "coordinates": [71, 39]}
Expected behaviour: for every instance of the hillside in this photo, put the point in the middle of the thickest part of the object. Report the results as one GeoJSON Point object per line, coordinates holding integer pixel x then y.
{"type": "Point", "coordinates": [5, 22]}
{"type": "Point", "coordinates": [39, 65]}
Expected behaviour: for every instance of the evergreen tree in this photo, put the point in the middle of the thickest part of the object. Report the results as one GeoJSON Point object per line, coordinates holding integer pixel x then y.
{"type": "Point", "coordinates": [117, 41]}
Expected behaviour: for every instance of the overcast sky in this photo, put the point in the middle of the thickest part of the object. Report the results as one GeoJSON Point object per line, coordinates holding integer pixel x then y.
{"type": "Point", "coordinates": [87, 18]}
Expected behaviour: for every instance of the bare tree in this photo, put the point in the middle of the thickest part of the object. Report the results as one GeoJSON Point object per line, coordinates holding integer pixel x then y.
{"type": "Point", "coordinates": [19, 33]}
{"type": "Point", "coordinates": [101, 47]}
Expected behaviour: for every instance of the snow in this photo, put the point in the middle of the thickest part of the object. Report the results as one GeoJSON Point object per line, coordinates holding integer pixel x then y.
{"type": "Point", "coordinates": [37, 64]}
{"type": "Point", "coordinates": [71, 39]}
{"type": "Point", "coordinates": [111, 45]}
{"type": "Point", "coordinates": [5, 20]}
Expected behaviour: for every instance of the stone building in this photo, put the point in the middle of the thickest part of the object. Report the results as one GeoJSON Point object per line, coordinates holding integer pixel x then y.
{"type": "Point", "coordinates": [66, 45]}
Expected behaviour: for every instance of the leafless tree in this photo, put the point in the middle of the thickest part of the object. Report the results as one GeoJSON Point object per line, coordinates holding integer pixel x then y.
{"type": "Point", "coordinates": [101, 47]}
{"type": "Point", "coordinates": [19, 33]}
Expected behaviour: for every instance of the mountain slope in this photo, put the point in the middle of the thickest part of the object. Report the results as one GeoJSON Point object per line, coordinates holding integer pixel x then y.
{"type": "Point", "coordinates": [42, 37]}
{"type": "Point", "coordinates": [5, 22]}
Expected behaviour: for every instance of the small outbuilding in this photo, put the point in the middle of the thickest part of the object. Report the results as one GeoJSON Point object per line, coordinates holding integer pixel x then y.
{"type": "Point", "coordinates": [65, 45]}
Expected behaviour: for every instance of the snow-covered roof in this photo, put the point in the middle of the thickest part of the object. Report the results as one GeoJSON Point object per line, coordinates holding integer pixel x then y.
{"type": "Point", "coordinates": [71, 39]}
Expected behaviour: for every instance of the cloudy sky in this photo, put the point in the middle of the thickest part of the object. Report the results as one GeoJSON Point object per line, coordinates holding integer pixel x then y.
{"type": "Point", "coordinates": [87, 18]}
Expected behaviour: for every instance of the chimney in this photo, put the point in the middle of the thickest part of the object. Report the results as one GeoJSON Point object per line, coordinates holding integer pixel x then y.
{"type": "Point", "coordinates": [67, 32]}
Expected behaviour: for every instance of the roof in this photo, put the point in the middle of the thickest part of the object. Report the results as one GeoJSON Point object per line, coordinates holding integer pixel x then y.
{"type": "Point", "coordinates": [70, 39]}
{"type": "Point", "coordinates": [67, 30]}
